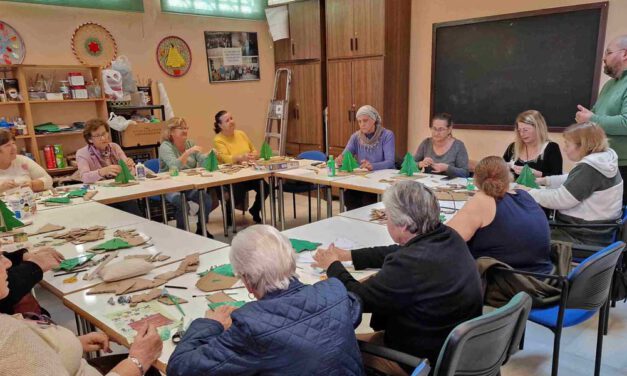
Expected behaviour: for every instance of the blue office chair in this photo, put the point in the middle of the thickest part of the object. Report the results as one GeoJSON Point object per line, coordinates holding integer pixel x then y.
{"type": "Point", "coordinates": [295, 187]}
{"type": "Point", "coordinates": [155, 211]}
{"type": "Point", "coordinates": [585, 291]}
{"type": "Point", "coordinates": [476, 347]}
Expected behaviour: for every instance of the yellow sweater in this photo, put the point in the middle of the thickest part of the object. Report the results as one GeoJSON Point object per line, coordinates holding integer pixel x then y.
{"type": "Point", "coordinates": [229, 147]}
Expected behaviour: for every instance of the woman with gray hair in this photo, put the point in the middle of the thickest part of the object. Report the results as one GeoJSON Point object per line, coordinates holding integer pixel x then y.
{"type": "Point", "coordinates": [428, 282]}
{"type": "Point", "coordinates": [373, 147]}
{"type": "Point", "coordinates": [292, 328]}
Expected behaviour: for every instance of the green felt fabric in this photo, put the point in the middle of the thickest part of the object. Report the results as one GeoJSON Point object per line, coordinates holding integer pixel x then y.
{"type": "Point", "coordinates": [113, 244]}
{"type": "Point", "coordinates": [300, 245]}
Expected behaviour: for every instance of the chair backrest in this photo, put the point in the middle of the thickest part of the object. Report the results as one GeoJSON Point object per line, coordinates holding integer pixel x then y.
{"type": "Point", "coordinates": [590, 281]}
{"type": "Point", "coordinates": [152, 164]}
{"type": "Point", "coordinates": [481, 345]}
{"type": "Point", "coordinates": [314, 155]}
{"type": "Point", "coordinates": [621, 233]}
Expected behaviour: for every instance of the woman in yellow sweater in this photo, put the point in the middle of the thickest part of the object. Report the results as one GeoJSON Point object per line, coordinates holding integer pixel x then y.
{"type": "Point", "coordinates": [233, 146]}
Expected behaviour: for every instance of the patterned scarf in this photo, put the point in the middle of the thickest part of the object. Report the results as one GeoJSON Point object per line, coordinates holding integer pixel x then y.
{"type": "Point", "coordinates": [371, 142]}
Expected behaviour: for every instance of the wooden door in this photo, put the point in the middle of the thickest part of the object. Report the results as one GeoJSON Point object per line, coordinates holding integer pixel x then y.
{"type": "Point", "coordinates": [339, 101]}
{"type": "Point", "coordinates": [292, 119]}
{"type": "Point", "coordinates": [282, 50]}
{"type": "Point", "coordinates": [305, 30]}
{"type": "Point", "coordinates": [339, 20]}
{"type": "Point", "coordinates": [308, 104]}
{"type": "Point", "coordinates": [367, 78]}
{"type": "Point", "coordinates": [369, 27]}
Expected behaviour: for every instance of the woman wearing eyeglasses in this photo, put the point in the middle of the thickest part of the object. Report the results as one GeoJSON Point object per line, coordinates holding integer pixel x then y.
{"type": "Point", "coordinates": [532, 147]}
{"type": "Point", "coordinates": [442, 153]}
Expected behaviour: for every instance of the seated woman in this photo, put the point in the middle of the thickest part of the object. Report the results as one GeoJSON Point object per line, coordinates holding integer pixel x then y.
{"type": "Point", "coordinates": [99, 159]}
{"type": "Point", "coordinates": [284, 330]}
{"type": "Point", "coordinates": [506, 225]}
{"type": "Point", "coordinates": [177, 151]}
{"type": "Point", "coordinates": [373, 147]}
{"type": "Point", "coordinates": [533, 147]}
{"type": "Point", "coordinates": [39, 347]}
{"type": "Point", "coordinates": [442, 153]}
{"type": "Point", "coordinates": [234, 146]}
{"type": "Point", "coordinates": [590, 193]}
{"type": "Point", "coordinates": [17, 170]}
{"type": "Point", "coordinates": [427, 284]}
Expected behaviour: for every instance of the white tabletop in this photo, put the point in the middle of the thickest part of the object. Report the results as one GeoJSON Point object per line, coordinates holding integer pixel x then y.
{"type": "Point", "coordinates": [217, 178]}
{"type": "Point", "coordinates": [372, 182]}
{"type": "Point", "coordinates": [167, 240]}
{"type": "Point", "coordinates": [448, 208]}
{"type": "Point", "coordinates": [145, 188]}
{"type": "Point", "coordinates": [310, 175]}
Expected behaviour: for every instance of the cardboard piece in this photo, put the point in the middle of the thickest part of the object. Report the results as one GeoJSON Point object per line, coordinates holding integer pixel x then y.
{"type": "Point", "coordinates": [409, 166]}
{"type": "Point", "coordinates": [188, 265]}
{"type": "Point", "coordinates": [349, 163]}
{"type": "Point", "coordinates": [167, 301]}
{"type": "Point", "coordinates": [7, 219]}
{"type": "Point", "coordinates": [266, 152]}
{"type": "Point", "coordinates": [130, 183]}
{"type": "Point", "coordinates": [527, 178]}
{"type": "Point", "coordinates": [131, 237]}
{"type": "Point", "coordinates": [232, 168]}
{"type": "Point", "coordinates": [103, 261]}
{"type": "Point", "coordinates": [148, 257]}
{"type": "Point", "coordinates": [46, 229]}
{"type": "Point", "coordinates": [211, 163]}
{"type": "Point", "coordinates": [80, 235]}
{"type": "Point", "coordinates": [378, 215]}
{"type": "Point", "coordinates": [125, 175]}
{"type": "Point", "coordinates": [219, 297]}
{"type": "Point", "coordinates": [214, 281]}
{"type": "Point", "coordinates": [146, 297]}
{"type": "Point", "coordinates": [157, 320]}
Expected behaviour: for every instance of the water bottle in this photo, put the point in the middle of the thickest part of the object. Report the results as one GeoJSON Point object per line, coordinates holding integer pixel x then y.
{"type": "Point", "coordinates": [140, 171]}
{"type": "Point", "coordinates": [331, 166]}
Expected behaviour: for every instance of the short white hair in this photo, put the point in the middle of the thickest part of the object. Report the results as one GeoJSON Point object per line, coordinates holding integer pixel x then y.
{"type": "Point", "coordinates": [411, 204]}
{"type": "Point", "coordinates": [265, 257]}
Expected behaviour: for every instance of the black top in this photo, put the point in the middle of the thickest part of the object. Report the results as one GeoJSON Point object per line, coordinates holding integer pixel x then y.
{"type": "Point", "coordinates": [22, 277]}
{"type": "Point", "coordinates": [423, 290]}
{"type": "Point", "coordinates": [549, 162]}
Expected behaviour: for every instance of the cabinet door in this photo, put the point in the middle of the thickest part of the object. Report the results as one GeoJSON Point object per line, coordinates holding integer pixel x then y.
{"type": "Point", "coordinates": [292, 118]}
{"type": "Point", "coordinates": [369, 27]}
{"type": "Point", "coordinates": [339, 19]}
{"type": "Point", "coordinates": [305, 30]}
{"type": "Point", "coordinates": [308, 106]}
{"type": "Point", "coordinates": [367, 84]}
{"type": "Point", "coordinates": [339, 98]}
{"type": "Point", "coordinates": [282, 50]}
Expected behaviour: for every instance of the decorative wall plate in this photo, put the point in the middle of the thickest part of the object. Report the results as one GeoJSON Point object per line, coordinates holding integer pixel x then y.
{"type": "Point", "coordinates": [12, 49]}
{"type": "Point", "coordinates": [174, 56]}
{"type": "Point", "coordinates": [92, 44]}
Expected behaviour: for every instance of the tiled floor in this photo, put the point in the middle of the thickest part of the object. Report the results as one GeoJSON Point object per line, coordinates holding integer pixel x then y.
{"type": "Point", "coordinates": [578, 343]}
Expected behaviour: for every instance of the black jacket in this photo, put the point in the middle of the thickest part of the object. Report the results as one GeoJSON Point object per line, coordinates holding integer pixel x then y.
{"type": "Point", "coordinates": [423, 290]}
{"type": "Point", "coordinates": [22, 277]}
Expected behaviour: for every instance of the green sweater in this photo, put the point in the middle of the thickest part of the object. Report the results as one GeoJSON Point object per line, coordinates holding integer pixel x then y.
{"type": "Point", "coordinates": [610, 112]}
{"type": "Point", "coordinates": [169, 157]}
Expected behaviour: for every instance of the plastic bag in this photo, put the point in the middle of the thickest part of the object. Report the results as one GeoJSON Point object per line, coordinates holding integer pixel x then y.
{"type": "Point", "coordinates": [112, 84]}
{"type": "Point", "coordinates": [123, 65]}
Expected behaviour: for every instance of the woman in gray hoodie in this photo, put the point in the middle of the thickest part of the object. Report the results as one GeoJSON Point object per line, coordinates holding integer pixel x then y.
{"type": "Point", "coordinates": [590, 193]}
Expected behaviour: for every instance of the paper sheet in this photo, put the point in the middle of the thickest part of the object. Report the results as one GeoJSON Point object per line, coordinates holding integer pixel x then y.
{"type": "Point", "coordinates": [278, 22]}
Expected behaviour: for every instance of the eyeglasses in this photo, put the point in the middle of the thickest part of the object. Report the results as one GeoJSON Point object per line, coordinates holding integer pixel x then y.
{"type": "Point", "coordinates": [102, 135]}
{"type": "Point", "coordinates": [608, 52]}
{"type": "Point", "coordinates": [439, 130]}
{"type": "Point", "coordinates": [182, 128]}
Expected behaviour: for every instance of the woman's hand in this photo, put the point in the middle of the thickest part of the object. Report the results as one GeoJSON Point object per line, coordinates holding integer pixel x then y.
{"type": "Point", "coordinates": [193, 149]}
{"type": "Point", "coordinates": [109, 171]}
{"type": "Point", "coordinates": [324, 258]}
{"type": "Point", "coordinates": [46, 258]}
{"type": "Point", "coordinates": [439, 167]}
{"type": "Point", "coordinates": [222, 315]}
{"type": "Point", "coordinates": [95, 341]}
{"type": "Point", "coordinates": [338, 159]}
{"type": "Point", "coordinates": [7, 184]}
{"type": "Point", "coordinates": [365, 164]}
{"type": "Point", "coordinates": [130, 163]}
{"type": "Point", "coordinates": [542, 181]}
{"type": "Point", "coordinates": [146, 346]}
{"type": "Point", "coordinates": [517, 169]}
{"type": "Point", "coordinates": [425, 162]}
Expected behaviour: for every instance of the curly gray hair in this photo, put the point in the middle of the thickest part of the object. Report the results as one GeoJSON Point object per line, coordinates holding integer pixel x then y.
{"type": "Point", "coordinates": [411, 204]}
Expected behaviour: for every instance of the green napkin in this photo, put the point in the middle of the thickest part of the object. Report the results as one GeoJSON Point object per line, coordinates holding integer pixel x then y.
{"type": "Point", "coordinates": [303, 245]}
{"type": "Point", "coordinates": [266, 152]}
{"type": "Point", "coordinates": [113, 244]}
{"type": "Point", "coordinates": [349, 163]}
{"type": "Point", "coordinates": [237, 304]}
{"type": "Point", "coordinates": [409, 166]}
{"type": "Point", "coordinates": [47, 127]}
{"type": "Point", "coordinates": [69, 264]}
{"type": "Point", "coordinates": [58, 200]}
{"type": "Point", "coordinates": [211, 163]}
{"type": "Point", "coordinates": [7, 219]}
{"type": "Point", "coordinates": [77, 193]}
{"type": "Point", "coordinates": [527, 178]}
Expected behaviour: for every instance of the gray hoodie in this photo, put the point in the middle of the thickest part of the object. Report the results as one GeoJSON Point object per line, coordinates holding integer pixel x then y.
{"type": "Point", "coordinates": [591, 191]}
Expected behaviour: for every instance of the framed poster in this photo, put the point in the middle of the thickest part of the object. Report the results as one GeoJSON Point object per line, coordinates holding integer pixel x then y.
{"type": "Point", "coordinates": [232, 56]}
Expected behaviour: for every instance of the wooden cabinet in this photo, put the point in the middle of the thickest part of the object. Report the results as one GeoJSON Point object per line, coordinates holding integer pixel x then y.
{"type": "Point", "coordinates": [305, 39]}
{"type": "Point", "coordinates": [355, 28]}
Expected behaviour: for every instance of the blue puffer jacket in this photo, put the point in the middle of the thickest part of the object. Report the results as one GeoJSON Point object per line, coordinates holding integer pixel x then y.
{"type": "Point", "coordinates": [304, 330]}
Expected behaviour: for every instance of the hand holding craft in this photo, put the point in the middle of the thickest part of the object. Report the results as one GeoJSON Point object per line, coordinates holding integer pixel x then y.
{"type": "Point", "coordinates": [222, 315]}
{"type": "Point", "coordinates": [95, 341]}
{"type": "Point", "coordinates": [146, 346]}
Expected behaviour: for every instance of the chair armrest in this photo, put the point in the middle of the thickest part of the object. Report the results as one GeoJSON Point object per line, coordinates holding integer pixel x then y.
{"type": "Point", "coordinates": [394, 355]}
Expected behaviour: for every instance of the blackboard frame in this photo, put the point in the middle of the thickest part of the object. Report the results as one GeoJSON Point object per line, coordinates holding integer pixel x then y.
{"type": "Point", "coordinates": [602, 6]}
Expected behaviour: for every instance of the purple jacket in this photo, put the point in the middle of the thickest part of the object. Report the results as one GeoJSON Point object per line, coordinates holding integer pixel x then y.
{"type": "Point", "coordinates": [90, 160]}
{"type": "Point", "coordinates": [381, 156]}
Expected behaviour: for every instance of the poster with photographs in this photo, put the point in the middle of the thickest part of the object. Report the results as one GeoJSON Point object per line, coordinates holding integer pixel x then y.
{"type": "Point", "coordinates": [232, 56]}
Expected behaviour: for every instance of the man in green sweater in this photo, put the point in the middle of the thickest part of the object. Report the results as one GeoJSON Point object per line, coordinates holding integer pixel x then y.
{"type": "Point", "coordinates": [610, 110]}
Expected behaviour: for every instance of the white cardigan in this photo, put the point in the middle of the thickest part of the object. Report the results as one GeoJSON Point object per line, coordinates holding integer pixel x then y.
{"type": "Point", "coordinates": [23, 170]}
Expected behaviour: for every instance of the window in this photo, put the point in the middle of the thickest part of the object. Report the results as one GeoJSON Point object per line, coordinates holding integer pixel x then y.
{"type": "Point", "coordinates": [252, 9]}
{"type": "Point", "coordinates": [125, 5]}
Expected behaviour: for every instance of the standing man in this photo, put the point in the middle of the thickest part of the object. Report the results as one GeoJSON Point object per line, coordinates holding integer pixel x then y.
{"type": "Point", "coordinates": [610, 110]}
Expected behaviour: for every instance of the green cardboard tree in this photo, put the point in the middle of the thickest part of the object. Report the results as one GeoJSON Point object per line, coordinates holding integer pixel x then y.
{"type": "Point", "coordinates": [112, 245]}
{"type": "Point", "coordinates": [527, 178]}
{"type": "Point", "coordinates": [125, 175]}
{"type": "Point", "coordinates": [349, 163]}
{"type": "Point", "coordinates": [7, 219]}
{"type": "Point", "coordinates": [211, 163]}
{"type": "Point", "coordinates": [266, 152]}
{"type": "Point", "coordinates": [409, 166]}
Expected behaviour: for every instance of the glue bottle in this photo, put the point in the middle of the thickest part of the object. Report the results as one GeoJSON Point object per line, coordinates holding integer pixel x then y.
{"type": "Point", "coordinates": [140, 171]}
{"type": "Point", "coordinates": [331, 166]}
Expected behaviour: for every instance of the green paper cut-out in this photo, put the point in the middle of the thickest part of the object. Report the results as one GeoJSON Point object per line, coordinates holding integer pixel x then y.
{"type": "Point", "coordinates": [211, 163]}
{"type": "Point", "coordinates": [527, 178]}
{"type": "Point", "coordinates": [113, 244]}
{"type": "Point", "coordinates": [303, 245]}
{"type": "Point", "coordinates": [77, 193]}
{"type": "Point", "coordinates": [70, 264]}
{"type": "Point", "coordinates": [409, 166]}
{"type": "Point", "coordinates": [58, 200]}
{"type": "Point", "coordinates": [236, 304]}
{"type": "Point", "coordinates": [349, 163]}
{"type": "Point", "coordinates": [125, 175]}
{"type": "Point", "coordinates": [47, 127]}
{"type": "Point", "coordinates": [7, 219]}
{"type": "Point", "coordinates": [266, 152]}
{"type": "Point", "coordinates": [165, 333]}
{"type": "Point", "coordinates": [225, 270]}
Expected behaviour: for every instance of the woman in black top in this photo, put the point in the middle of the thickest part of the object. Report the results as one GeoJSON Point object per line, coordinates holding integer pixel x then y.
{"type": "Point", "coordinates": [533, 147]}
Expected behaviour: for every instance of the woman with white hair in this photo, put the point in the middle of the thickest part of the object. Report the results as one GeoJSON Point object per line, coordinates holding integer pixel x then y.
{"type": "Point", "coordinates": [291, 329]}
{"type": "Point", "coordinates": [373, 147]}
{"type": "Point", "coordinates": [428, 282]}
